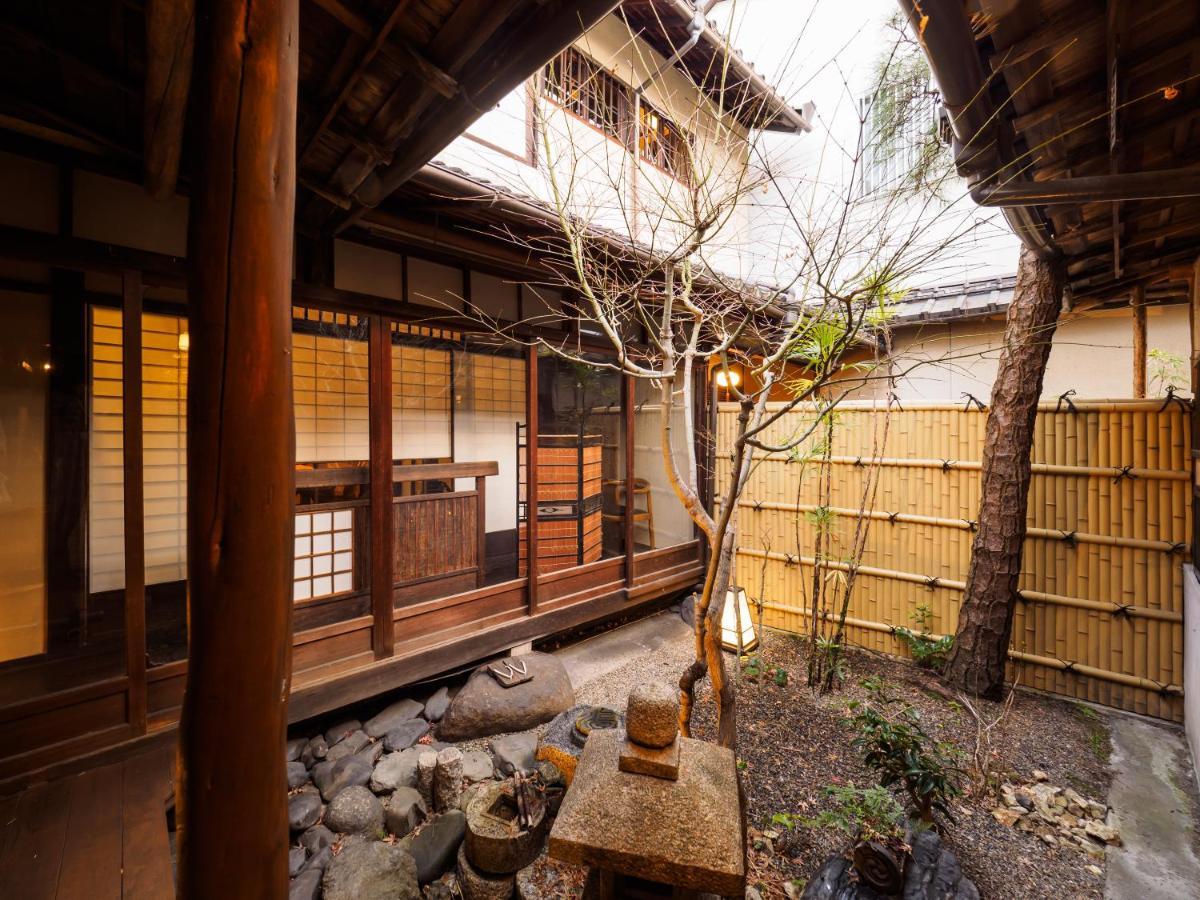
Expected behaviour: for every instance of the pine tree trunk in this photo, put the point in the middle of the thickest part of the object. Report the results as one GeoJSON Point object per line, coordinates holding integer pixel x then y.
{"type": "Point", "coordinates": [977, 661]}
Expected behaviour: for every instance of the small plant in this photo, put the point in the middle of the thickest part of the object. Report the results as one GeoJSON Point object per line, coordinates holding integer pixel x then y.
{"type": "Point", "coordinates": [927, 650]}
{"type": "Point", "coordinates": [832, 662]}
{"type": "Point", "coordinates": [866, 814]}
{"type": "Point", "coordinates": [892, 742]}
{"type": "Point", "coordinates": [754, 668]}
{"type": "Point", "coordinates": [1167, 369]}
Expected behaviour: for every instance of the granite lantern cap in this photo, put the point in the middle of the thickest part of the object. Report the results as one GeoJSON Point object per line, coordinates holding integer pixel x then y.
{"type": "Point", "coordinates": [685, 832]}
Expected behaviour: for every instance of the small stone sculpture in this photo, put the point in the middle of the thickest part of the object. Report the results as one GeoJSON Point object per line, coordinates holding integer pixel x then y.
{"type": "Point", "coordinates": [426, 764]}
{"type": "Point", "coordinates": [448, 779]}
{"type": "Point", "coordinates": [652, 732]}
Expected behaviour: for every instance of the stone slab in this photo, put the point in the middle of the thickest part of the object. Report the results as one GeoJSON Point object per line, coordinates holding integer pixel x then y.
{"type": "Point", "coordinates": [685, 832]}
{"type": "Point", "coordinates": [657, 762]}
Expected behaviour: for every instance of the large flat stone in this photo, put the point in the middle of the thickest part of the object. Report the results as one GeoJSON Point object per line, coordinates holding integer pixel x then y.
{"type": "Point", "coordinates": [685, 833]}
{"type": "Point", "coordinates": [370, 870]}
{"type": "Point", "coordinates": [401, 711]}
{"type": "Point", "coordinates": [483, 707]}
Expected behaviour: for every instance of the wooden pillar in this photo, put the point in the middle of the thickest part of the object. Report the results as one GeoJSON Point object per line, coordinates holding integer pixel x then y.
{"type": "Point", "coordinates": [531, 477]}
{"type": "Point", "coordinates": [134, 506]}
{"type": "Point", "coordinates": [628, 397]}
{"type": "Point", "coordinates": [383, 526]}
{"type": "Point", "coordinates": [232, 802]}
{"type": "Point", "coordinates": [1194, 322]}
{"type": "Point", "coordinates": [1138, 301]}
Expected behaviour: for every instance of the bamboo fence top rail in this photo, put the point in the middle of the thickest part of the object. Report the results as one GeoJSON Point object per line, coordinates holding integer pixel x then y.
{"type": "Point", "coordinates": [1155, 404]}
{"type": "Point", "coordinates": [968, 465]}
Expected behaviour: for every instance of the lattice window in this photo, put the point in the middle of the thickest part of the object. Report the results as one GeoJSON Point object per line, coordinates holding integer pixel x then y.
{"type": "Point", "coordinates": [583, 88]}
{"type": "Point", "coordinates": [324, 554]}
{"type": "Point", "coordinates": [661, 143]}
{"type": "Point", "coordinates": [904, 122]}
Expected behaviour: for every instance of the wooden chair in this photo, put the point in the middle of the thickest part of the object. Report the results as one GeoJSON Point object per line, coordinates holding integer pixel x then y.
{"type": "Point", "coordinates": [646, 516]}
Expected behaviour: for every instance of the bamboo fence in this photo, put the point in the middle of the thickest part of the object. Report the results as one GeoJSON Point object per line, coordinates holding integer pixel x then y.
{"type": "Point", "coordinates": [1100, 612]}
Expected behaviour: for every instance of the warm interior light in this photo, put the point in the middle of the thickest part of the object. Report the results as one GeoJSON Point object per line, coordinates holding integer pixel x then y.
{"type": "Point", "coordinates": [45, 367]}
{"type": "Point", "coordinates": [732, 378]}
{"type": "Point", "coordinates": [737, 613]}
{"type": "Point", "coordinates": [185, 341]}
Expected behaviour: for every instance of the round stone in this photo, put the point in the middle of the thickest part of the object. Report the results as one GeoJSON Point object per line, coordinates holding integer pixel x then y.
{"type": "Point", "coordinates": [494, 843]}
{"type": "Point", "coordinates": [652, 715]}
{"type": "Point", "coordinates": [355, 811]}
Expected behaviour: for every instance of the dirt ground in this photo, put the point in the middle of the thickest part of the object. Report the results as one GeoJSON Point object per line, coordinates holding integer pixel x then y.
{"type": "Point", "coordinates": [793, 744]}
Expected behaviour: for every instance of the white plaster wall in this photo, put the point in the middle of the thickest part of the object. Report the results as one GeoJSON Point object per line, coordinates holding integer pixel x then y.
{"type": "Point", "coordinates": [1092, 353]}
{"type": "Point", "coordinates": [1191, 662]}
{"type": "Point", "coordinates": [368, 270]}
{"type": "Point", "coordinates": [119, 212]}
{"type": "Point", "coordinates": [28, 193]}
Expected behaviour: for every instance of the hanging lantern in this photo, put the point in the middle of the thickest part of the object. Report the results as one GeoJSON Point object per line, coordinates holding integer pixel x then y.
{"type": "Point", "coordinates": [735, 620]}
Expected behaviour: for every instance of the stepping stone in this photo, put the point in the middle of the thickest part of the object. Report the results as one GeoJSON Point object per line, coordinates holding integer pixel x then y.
{"type": "Point", "coordinates": [436, 844]}
{"type": "Point", "coordinates": [355, 811]}
{"type": "Point", "coordinates": [514, 752]}
{"type": "Point", "coordinates": [483, 707]}
{"type": "Point", "coordinates": [399, 712]}
{"type": "Point", "coordinates": [405, 734]}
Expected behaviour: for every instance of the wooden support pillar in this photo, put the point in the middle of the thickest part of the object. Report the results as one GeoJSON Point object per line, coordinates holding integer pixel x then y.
{"type": "Point", "coordinates": [1194, 322]}
{"type": "Point", "coordinates": [383, 524]}
{"type": "Point", "coordinates": [134, 506]}
{"type": "Point", "coordinates": [1138, 301]}
{"type": "Point", "coordinates": [232, 801]}
{"type": "Point", "coordinates": [531, 477]}
{"type": "Point", "coordinates": [628, 397]}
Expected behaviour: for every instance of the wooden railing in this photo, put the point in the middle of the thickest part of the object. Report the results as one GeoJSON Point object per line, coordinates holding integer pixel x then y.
{"type": "Point", "coordinates": [439, 537]}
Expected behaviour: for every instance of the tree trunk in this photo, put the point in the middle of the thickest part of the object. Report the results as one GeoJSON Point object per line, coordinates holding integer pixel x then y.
{"type": "Point", "coordinates": [240, 454]}
{"type": "Point", "coordinates": [977, 661]}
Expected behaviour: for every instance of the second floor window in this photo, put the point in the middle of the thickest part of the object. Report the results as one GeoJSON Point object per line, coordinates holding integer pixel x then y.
{"type": "Point", "coordinates": [661, 143]}
{"type": "Point", "coordinates": [902, 130]}
{"type": "Point", "coordinates": [583, 88]}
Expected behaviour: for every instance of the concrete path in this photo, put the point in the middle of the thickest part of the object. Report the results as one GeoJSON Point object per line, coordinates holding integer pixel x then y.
{"type": "Point", "coordinates": [1153, 799]}
{"type": "Point", "coordinates": [608, 651]}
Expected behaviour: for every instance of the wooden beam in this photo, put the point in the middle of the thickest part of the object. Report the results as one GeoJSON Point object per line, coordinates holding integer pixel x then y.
{"type": "Point", "coordinates": [383, 523]}
{"type": "Point", "coordinates": [1076, 23]}
{"type": "Point", "coordinates": [170, 40]}
{"type": "Point", "coordinates": [133, 488]}
{"type": "Point", "coordinates": [1138, 301]}
{"type": "Point", "coordinates": [232, 809]}
{"type": "Point", "coordinates": [531, 476]}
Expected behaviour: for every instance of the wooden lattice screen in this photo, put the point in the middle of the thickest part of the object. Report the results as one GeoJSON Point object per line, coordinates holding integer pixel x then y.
{"type": "Point", "coordinates": [1100, 616]}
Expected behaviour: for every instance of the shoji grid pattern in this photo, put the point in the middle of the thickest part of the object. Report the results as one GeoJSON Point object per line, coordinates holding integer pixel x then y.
{"type": "Point", "coordinates": [164, 426]}
{"type": "Point", "coordinates": [324, 554]}
{"type": "Point", "coordinates": [421, 381]}
{"type": "Point", "coordinates": [329, 384]}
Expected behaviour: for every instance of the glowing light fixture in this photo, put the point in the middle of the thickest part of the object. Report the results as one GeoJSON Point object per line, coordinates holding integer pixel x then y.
{"type": "Point", "coordinates": [732, 378]}
{"type": "Point", "coordinates": [735, 620]}
{"type": "Point", "coordinates": [185, 341]}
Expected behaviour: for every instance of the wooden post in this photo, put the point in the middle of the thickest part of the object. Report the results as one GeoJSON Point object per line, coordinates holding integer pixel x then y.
{"type": "Point", "coordinates": [134, 511]}
{"type": "Point", "coordinates": [1138, 301]}
{"type": "Point", "coordinates": [531, 478]}
{"type": "Point", "coordinates": [383, 523]}
{"type": "Point", "coordinates": [232, 802]}
{"type": "Point", "coordinates": [481, 528]}
{"type": "Point", "coordinates": [1194, 322]}
{"type": "Point", "coordinates": [628, 395]}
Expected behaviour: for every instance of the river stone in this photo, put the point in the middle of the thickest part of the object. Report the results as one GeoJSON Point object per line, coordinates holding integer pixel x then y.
{"type": "Point", "coordinates": [401, 711]}
{"type": "Point", "coordinates": [297, 857]}
{"type": "Point", "coordinates": [434, 846]}
{"type": "Point", "coordinates": [477, 885]}
{"type": "Point", "coordinates": [295, 747]}
{"type": "Point", "coordinates": [340, 730]}
{"type": "Point", "coordinates": [514, 752]}
{"type": "Point", "coordinates": [483, 708]}
{"type": "Point", "coordinates": [370, 870]}
{"type": "Point", "coordinates": [314, 751]}
{"type": "Point", "coordinates": [478, 765]}
{"type": "Point", "coordinates": [396, 770]}
{"type": "Point", "coordinates": [405, 734]}
{"type": "Point", "coordinates": [306, 885]}
{"type": "Point", "coordinates": [652, 715]}
{"type": "Point", "coordinates": [316, 838]}
{"type": "Point", "coordinates": [355, 811]}
{"type": "Point", "coordinates": [347, 746]}
{"type": "Point", "coordinates": [403, 811]}
{"type": "Point", "coordinates": [320, 859]}
{"type": "Point", "coordinates": [353, 770]}
{"type": "Point", "coordinates": [297, 775]}
{"type": "Point", "coordinates": [435, 706]}
{"type": "Point", "coordinates": [303, 810]}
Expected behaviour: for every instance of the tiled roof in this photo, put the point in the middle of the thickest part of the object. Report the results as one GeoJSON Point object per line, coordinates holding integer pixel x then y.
{"type": "Point", "coordinates": [953, 302]}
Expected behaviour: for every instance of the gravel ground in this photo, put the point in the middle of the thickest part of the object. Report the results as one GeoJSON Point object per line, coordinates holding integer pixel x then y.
{"type": "Point", "coordinates": [793, 744]}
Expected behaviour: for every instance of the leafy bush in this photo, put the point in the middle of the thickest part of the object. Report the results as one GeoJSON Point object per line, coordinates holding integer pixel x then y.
{"type": "Point", "coordinates": [927, 651]}
{"type": "Point", "coordinates": [866, 814]}
{"type": "Point", "coordinates": [892, 741]}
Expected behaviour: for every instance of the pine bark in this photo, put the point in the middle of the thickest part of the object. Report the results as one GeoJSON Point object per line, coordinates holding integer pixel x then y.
{"type": "Point", "coordinates": [977, 661]}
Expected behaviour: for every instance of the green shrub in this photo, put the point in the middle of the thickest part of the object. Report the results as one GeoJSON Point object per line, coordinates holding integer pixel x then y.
{"type": "Point", "coordinates": [927, 651]}
{"type": "Point", "coordinates": [865, 814]}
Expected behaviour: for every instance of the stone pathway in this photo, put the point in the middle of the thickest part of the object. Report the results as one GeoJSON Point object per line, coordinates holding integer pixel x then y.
{"type": "Point", "coordinates": [591, 660]}
{"type": "Point", "coordinates": [1154, 799]}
